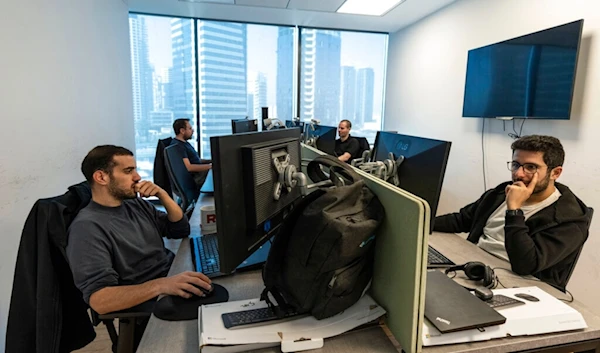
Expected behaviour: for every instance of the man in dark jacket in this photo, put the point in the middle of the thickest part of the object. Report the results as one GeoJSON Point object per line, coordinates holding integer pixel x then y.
{"type": "Point", "coordinates": [534, 222]}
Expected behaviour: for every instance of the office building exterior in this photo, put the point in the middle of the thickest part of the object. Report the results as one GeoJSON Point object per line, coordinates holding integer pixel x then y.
{"type": "Point", "coordinates": [222, 59]}
{"type": "Point", "coordinates": [365, 86]}
{"type": "Point", "coordinates": [285, 74]}
{"type": "Point", "coordinates": [320, 79]}
{"type": "Point", "coordinates": [348, 101]}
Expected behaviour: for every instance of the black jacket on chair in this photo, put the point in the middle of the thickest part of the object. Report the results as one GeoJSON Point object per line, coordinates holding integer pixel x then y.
{"type": "Point", "coordinates": [47, 312]}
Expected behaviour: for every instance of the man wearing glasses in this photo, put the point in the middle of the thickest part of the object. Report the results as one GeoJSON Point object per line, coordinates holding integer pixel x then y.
{"type": "Point", "coordinates": [534, 222]}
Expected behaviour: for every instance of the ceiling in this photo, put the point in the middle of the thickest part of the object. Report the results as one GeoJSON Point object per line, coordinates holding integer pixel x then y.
{"type": "Point", "coordinates": [308, 13]}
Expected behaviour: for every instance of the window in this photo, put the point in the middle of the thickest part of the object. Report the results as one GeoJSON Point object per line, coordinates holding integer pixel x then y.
{"type": "Point", "coordinates": [163, 81]}
{"type": "Point", "coordinates": [230, 70]}
{"type": "Point", "coordinates": [342, 77]}
{"type": "Point", "coordinates": [242, 68]}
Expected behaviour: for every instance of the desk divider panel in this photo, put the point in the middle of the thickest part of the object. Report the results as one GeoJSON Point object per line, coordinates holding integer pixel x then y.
{"type": "Point", "coordinates": [400, 258]}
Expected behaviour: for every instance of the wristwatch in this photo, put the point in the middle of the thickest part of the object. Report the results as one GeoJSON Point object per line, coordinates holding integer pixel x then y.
{"type": "Point", "coordinates": [517, 212]}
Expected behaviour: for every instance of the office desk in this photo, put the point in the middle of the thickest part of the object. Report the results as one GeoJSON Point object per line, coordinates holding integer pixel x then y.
{"type": "Point", "coordinates": [182, 336]}
{"type": "Point", "coordinates": [460, 251]}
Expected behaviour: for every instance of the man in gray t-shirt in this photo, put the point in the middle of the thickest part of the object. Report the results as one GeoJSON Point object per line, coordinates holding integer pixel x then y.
{"type": "Point", "coordinates": [115, 248]}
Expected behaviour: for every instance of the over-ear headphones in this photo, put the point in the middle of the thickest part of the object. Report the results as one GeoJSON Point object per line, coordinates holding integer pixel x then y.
{"type": "Point", "coordinates": [476, 271]}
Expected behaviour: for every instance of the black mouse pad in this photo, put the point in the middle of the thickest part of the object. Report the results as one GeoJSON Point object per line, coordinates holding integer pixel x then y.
{"type": "Point", "coordinates": [175, 308]}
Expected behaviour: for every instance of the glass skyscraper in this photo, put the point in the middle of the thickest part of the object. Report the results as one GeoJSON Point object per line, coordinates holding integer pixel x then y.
{"type": "Point", "coordinates": [285, 73]}
{"type": "Point", "coordinates": [348, 94]}
{"type": "Point", "coordinates": [320, 80]}
{"type": "Point", "coordinates": [142, 82]}
{"type": "Point", "coordinates": [365, 85]}
{"type": "Point", "coordinates": [222, 78]}
{"type": "Point", "coordinates": [182, 87]}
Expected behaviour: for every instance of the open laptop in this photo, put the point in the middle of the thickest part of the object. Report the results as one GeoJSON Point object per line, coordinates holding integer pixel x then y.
{"type": "Point", "coordinates": [450, 307]}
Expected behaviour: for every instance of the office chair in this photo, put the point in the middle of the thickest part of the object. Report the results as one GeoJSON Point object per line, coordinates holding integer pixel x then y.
{"type": "Point", "coordinates": [182, 181]}
{"type": "Point", "coordinates": [161, 174]}
{"type": "Point", "coordinates": [364, 146]}
{"type": "Point", "coordinates": [572, 268]}
{"type": "Point", "coordinates": [47, 311]}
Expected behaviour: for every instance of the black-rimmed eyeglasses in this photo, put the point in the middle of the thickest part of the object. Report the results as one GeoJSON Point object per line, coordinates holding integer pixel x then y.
{"type": "Point", "coordinates": [528, 168]}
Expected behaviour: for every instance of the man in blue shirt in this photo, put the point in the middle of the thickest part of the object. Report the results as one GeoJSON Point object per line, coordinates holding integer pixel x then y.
{"type": "Point", "coordinates": [198, 168]}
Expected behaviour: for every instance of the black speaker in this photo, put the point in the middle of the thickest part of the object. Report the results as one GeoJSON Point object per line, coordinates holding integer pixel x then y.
{"type": "Point", "coordinates": [476, 271]}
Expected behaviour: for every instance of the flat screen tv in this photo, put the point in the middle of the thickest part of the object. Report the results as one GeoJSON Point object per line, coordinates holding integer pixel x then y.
{"type": "Point", "coordinates": [531, 76]}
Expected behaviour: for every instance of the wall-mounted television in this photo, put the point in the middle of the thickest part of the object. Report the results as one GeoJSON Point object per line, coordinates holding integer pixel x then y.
{"type": "Point", "coordinates": [531, 76]}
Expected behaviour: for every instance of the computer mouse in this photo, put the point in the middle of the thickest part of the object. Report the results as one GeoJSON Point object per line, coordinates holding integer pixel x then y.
{"type": "Point", "coordinates": [528, 297]}
{"type": "Point", "coordinates": [207, 292]}
{"type": "Point", "coordinates": [484, 293]}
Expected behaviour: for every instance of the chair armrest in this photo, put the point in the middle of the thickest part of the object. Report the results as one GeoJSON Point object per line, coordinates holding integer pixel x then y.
{"type": "Point", "coordinates": [143, 310]}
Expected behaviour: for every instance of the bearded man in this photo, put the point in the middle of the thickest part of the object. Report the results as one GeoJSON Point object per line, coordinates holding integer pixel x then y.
{"type": "Point", "coordinates": [115, 247]}
{"type": "Point", "coordinates": [534, 222]}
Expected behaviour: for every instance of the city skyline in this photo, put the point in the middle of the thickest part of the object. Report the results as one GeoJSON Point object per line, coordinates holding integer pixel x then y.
{"type": "Point", "coordinates": [358, 49]}
{"type": "Point", "coordinates": [241, 68]}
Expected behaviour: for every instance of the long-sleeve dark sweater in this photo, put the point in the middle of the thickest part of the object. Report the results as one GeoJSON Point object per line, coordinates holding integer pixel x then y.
{"type": "Point", "coordinates": [546, 245]}
{"type": "Point", "coordinates": [122, 245]}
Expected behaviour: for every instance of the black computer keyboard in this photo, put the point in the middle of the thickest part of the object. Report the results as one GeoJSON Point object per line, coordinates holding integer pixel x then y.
{"type": "Point", "coordinates": [254, 317]}
{"type": "Point", "coordinates": [205, 254]}
{"type": "Point", "coordinates": [500, 300]}
{"type": "Point", "coordinates": [434, 257]}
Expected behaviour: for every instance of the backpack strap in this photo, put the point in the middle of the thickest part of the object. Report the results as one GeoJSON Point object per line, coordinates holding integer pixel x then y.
{"type": "Point", "coordinates": [280, 307]}
{"type": "Point", "coordinates": [337, 169]}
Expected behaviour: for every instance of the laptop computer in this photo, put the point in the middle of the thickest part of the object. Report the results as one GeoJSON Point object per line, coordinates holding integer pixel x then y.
{"type": "Point", "coordinates": [450, 307]}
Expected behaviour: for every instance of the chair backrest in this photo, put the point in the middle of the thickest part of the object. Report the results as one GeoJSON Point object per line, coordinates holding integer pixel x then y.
{"type": "Point", "coordinates": [363, 143]}
{"type": "Point", "coordinates": [580, 249]}
{"type": "Point", "coordinates": [183, 182]}
{"type": "Point", "coordinates": [161, 175]}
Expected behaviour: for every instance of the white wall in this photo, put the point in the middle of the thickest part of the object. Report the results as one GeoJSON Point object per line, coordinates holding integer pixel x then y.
{"type": "Point", "coordinates": [65, 87]}
{"type": "Point", "coordinates": [424, 94]}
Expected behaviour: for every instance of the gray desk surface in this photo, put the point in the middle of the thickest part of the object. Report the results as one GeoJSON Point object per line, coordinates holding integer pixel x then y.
{"type": "Point", "coordinates": [460, 251]}
{"type": "Point", "coordinates": [182, 336]}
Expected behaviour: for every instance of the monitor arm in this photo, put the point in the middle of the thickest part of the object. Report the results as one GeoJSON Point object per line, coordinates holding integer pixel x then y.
{"type": "Point", "coordinates": [289, 177]}
{"type": "Point", "coordinates": [272, 123]}
{"type": "Point", "coordinates": [308, 140]}
{"type": "Point", "coordinates": [386, 170]}
{"type": "Point", "coordinates": [357, 162]}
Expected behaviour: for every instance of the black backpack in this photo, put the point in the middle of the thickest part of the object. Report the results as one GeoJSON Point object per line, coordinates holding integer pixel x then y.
{"type": "Point", "coordinates": [321, 261]}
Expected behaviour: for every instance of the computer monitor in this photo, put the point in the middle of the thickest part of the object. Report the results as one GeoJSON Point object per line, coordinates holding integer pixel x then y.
{"type": "Point", "coordinates": [422, 171]}
{"type": "Point", "coordinates": [244, 177]}
{"type": "Point", "coordinates": [244, 125]}
{"type": "Point", "coordinates": [324, 136]}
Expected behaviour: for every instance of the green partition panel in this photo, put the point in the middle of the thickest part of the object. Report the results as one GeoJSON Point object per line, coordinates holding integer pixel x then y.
{"type": "Point", "coordinates": [400, 258]}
